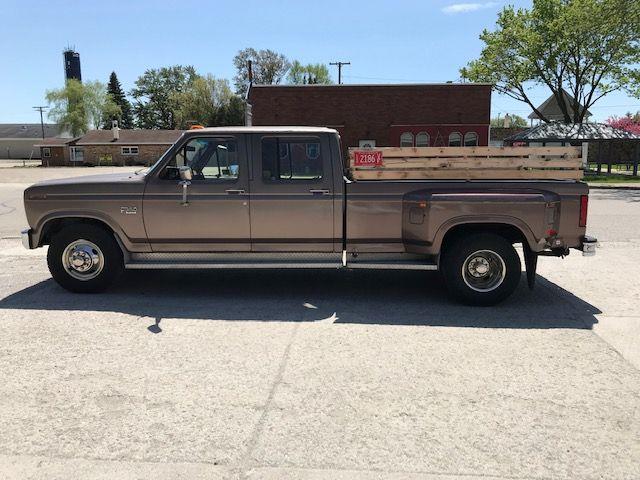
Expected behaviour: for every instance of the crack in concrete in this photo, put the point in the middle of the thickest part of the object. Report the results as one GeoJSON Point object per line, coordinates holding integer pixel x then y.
{"type": "Point", "coordinates": [244, 466]}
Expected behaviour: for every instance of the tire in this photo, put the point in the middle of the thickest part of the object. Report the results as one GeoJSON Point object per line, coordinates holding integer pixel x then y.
{"type": "Point", "coordinates": [84, 258]}
{"type": "Point", "coordinates": [481, 269]}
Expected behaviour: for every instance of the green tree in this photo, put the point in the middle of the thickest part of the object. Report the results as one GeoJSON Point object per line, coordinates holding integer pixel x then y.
{"type": "Point", "coordinates": [202, 100]}
{"type": "Point", "coordinates": [516, 121]}
{"type": "Point", "coordinates": [589, 48]}
{"type": "Point", "coordinates": [125, 116]}
{"type": "Point", "coordinates": [157, 96]}
{"type": "Point", "coordinates": [78, 106]}
{"type": "Point", "coordinates": [312, 73]}
{"type": "Point", "coordinates": [268, 67]}
{"type": "Point", "coordinates": [230, 113]}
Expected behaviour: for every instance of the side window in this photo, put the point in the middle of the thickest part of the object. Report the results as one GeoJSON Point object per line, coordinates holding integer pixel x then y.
{"type": "Point", "coordinates": [406, 139]}
{"type": "Point", "coordinates": [285, 158]}
{"type": "Point", "coordinates": [471, 139]}
{"type": "Point", "coordinates": [455, 139]}
{"type": "Point", "coordinates": [422, 139]}
{"type": "Point", "coordinates": [209, 159]}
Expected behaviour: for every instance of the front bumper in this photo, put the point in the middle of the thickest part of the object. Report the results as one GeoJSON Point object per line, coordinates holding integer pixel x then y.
{"type": "Point", "coordinates": [26, 239]}
{"type": "Point", "coordinates": [588, 246]}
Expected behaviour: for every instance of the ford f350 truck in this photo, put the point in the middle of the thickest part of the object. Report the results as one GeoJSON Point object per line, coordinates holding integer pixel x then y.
{"type": "Point", "coordinates": [280, 197]}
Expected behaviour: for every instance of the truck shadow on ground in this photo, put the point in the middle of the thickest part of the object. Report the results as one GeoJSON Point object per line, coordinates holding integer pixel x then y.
{"type": "Point", "coordinates": [354, 297]}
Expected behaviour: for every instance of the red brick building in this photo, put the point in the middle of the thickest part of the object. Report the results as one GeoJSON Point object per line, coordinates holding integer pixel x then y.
{"type": "Point", "coordinates": [450, 114]}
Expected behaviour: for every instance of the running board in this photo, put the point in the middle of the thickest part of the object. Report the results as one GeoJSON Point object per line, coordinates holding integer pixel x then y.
{"type": "Point", "coordinates": [201, 261]}
{"type": "Point", "coordinates": [225, 266]}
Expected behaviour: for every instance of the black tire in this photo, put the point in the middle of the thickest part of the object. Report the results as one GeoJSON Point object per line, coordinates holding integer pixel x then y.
{"type": "Point", "coordinates": [481, 269]}
{"type": "Point", "coordinates": [106, 261]}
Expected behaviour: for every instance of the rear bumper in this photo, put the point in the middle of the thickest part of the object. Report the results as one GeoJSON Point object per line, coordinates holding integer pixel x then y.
{"type": "Point", "coordinates": [26, 239]}
{"type": "Point", "coordinates": [588, 246]}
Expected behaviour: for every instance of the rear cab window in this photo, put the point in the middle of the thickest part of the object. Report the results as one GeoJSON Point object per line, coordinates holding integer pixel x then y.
{"type": "Point", "coordinates": [292, 159]}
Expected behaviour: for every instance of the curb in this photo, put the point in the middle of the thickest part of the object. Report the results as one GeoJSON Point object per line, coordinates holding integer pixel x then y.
{"type": "Point", "coordinates": [613, 187]}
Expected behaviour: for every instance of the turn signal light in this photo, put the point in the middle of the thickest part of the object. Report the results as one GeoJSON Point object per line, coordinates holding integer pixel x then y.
{"type": "Point", "coordinates": [584, 204]}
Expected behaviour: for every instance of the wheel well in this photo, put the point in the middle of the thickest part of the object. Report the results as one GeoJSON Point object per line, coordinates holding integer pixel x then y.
{"type": "Point", "coordinates": [512, 233]}
{"type": "Point", "coordinates": [52, 227]}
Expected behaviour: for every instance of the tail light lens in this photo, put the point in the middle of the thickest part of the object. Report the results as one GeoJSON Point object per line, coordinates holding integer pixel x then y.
{"type": "Point", "coordinates": [584, 205]}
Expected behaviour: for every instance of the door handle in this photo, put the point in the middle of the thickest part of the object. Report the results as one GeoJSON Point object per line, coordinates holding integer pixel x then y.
{"type": "Point", "coordinates": [319, 191]}
{"type": "Point", "coordinates": [233, 191]}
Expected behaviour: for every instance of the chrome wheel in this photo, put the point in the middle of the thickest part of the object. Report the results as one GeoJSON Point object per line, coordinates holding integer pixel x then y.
{"type": "Point", "coordinates": [483, 271]}
{"type": "Point", "coordinates": [83, 260]}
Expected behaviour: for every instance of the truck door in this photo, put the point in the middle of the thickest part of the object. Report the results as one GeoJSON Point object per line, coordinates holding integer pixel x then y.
{"type": "Point", "coordinates": [292, 194]}
{"type": "Point", "coordinates": [216, 214]}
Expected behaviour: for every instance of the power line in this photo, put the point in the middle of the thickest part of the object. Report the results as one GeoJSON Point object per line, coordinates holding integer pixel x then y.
{"type": "Point", "coordinates": [41, 109]}
{"type": "Point", "coordinates": [339, 65]}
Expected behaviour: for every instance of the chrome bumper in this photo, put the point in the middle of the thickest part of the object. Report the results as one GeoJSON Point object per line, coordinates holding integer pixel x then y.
{"type": "Point", "coordinates": [589, 245]}
{"type": "Point", "coordinates": [26, 238]}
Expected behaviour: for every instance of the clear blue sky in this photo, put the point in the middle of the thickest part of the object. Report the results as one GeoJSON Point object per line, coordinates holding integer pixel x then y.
{"type": "Point", "coordinates": [385, 41]}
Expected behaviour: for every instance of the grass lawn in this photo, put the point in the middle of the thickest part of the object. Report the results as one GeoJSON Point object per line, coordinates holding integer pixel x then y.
{"type": "Point", "coordinates": [612, 178]}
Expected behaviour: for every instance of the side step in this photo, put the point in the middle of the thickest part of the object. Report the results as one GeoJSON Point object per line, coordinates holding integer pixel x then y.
{"type": "Point", "coordinates": [200, 261]}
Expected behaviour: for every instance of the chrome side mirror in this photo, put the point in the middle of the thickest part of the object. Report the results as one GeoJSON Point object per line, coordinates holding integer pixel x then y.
{"type": "Point", "coordinates": [185, 174]}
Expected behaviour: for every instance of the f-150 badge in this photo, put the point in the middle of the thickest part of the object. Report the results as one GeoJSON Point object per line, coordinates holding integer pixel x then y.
{"type": "Point", "coordinates": [129, 210]}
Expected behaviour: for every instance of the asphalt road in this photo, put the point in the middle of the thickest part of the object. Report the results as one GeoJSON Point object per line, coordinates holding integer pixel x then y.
{"type": "Point", "coordinates": [323, 375]}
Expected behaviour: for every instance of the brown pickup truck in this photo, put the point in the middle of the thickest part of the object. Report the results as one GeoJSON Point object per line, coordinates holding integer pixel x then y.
{"type": "Point", "coordinates": [280, 197]}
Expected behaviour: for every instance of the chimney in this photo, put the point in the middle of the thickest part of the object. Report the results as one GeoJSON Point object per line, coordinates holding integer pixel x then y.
{"type": "Point", "coordinates": [115, 130]}
{"type": "Point", "coordinates": [507, 121]}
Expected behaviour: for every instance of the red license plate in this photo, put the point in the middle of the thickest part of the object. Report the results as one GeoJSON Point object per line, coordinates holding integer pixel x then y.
{"type": "Point", "coordinates": [367, 159]}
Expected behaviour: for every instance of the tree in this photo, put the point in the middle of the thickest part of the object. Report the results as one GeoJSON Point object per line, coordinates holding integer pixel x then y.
{"type": "Point", "coordinates": [516, 121]}
{"type": "Point", "coordinates": [231, 113]}
{"type": "Point", "coordinates": [78, 106]}
{"type": "Point", "coordinates": [312, 73]}
{"type": "Point", "coordinates": [589, 48]}
{"type": "Point", "coordinates": [157, 96]}
{"type": "Point", "coordinates": [125, 117]}
{"type": "Point", "coordinates": [202, 101]}
{"type": "Point", "coordinates": [268, 68]}
{"type": "Point", "coordinates": [630, 123]}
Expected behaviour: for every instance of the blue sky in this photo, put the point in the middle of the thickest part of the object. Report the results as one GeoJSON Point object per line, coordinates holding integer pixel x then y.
{"type": "Point", "coordinates": [385, 41]}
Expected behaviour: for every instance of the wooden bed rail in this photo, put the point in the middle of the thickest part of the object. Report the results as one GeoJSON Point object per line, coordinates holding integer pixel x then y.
{"type": "Point", "coordinates": [466, 163]}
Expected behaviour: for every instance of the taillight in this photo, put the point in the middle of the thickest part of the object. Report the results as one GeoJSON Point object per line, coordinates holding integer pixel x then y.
{"type": "Point", "coordinates": [584, 205]}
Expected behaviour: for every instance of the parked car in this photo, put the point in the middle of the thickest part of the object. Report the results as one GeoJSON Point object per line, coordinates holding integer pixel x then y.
{"type": "Point", "coordinates": [278, 197]}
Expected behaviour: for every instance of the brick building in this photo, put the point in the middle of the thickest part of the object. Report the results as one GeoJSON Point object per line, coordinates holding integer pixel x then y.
{"type": "Point", "coordinates": [381, 115]}
{"type": "Point", "coordinates": [109, 147]}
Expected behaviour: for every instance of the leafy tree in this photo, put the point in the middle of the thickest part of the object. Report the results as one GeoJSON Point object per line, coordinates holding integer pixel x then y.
{"type": "Point", "coordinates": [516, 121]}
{"type": "Point", "coordinates": [125, 117]}
{"type": "Point", "coordinates": [157, 96]}
{"type": "Point", "coordinates": [268, 67]}
{"type": "Point", "coordinates": [78, 106]}
{"type": "Point", "coordinates": [230, 113]}
{"type": "Point", "coordinates": [202, 101]}
{"type": "Point", "coordinates": [590, 48]}
{"type": "Point", "coordinates": [312, 73]}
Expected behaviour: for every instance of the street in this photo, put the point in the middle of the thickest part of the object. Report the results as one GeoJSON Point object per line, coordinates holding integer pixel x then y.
{"type": "Point", "coordinates": [321, 374]}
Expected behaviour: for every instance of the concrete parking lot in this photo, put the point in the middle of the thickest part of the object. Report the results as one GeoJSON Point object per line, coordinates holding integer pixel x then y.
{"type": "Point", "coordinates": [323, 374]}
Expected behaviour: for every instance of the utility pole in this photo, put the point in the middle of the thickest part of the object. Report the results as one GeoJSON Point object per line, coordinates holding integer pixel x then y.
{"type": "Point", "coordinates": [340, 64]}
{"type": "Point", "coordinates": [41, 109]}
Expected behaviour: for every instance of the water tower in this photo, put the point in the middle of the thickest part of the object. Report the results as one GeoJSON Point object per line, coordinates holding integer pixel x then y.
{"type": "Point", "coordinates": [72, 65]}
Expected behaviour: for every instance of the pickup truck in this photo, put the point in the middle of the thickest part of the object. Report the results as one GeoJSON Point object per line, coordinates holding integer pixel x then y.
{"type": "Point", "coordinates": [280, 197]}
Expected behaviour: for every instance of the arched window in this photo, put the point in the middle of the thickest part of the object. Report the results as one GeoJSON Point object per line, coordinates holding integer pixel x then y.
{"type": "Point", "coordinates": [406, 139]}
{"type": "Point", "coordinates": [455, 139]}
{"type": "Point", "coordinates": [471, 139]}
{"type": "Point", "coordinates": [422, 139]}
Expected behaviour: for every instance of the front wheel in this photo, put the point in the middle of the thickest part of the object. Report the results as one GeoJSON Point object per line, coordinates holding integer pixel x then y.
{"type": "Point", "coordinates": [84, 258]}
{"type": "Point", "coordinates": [481, 269]}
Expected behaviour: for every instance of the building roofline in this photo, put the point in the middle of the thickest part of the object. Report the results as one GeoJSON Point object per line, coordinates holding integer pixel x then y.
{"type": "Point", "coordinates": [380, 85]}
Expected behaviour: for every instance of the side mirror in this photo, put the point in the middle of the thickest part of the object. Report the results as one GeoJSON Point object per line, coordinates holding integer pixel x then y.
{"type": "Point", "coordinates": [185, 174]}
